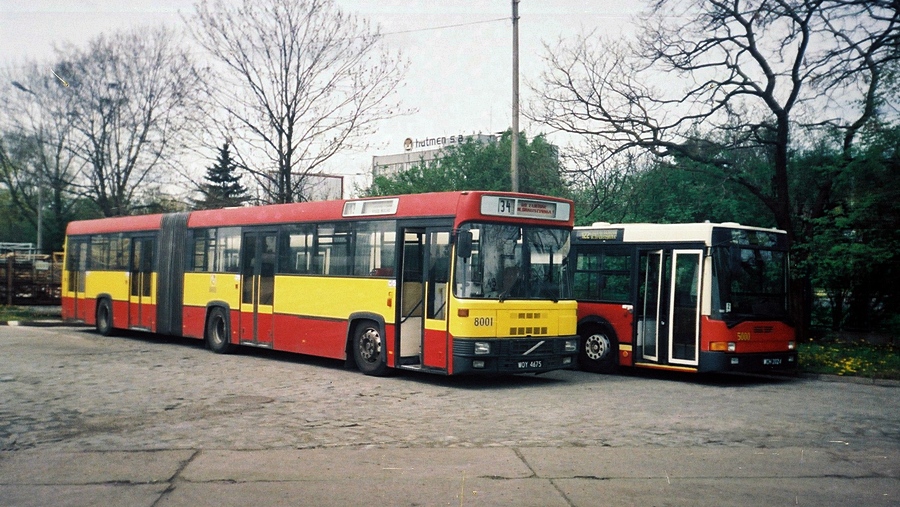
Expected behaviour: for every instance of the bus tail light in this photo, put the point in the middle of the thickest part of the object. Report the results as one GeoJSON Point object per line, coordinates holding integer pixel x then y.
{"type": "Point", "coordinates": [722, 346]}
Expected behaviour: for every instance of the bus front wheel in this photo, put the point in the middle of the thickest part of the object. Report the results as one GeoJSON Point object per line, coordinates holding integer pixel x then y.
{"type": "Point", "coordinates": [218, 338]}
{"type": "Point", "coordinates": [598, 350]}
{"type": "Point", "coordinates": [104, 317]}
{"type": "Point", "coordinates": [367, 349]}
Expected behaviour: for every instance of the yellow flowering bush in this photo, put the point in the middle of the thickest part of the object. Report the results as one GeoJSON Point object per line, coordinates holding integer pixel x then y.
{"type": "Point", "coordinates": [850, 359]}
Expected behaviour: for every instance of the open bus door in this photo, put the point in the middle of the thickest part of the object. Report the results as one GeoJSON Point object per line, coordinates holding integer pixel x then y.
{"type": "Point", "coordinates": [258, 254]}
{"type": "Point", "coordinates": [422, 299]}
{"type": "Point", "coordinates": [668, 321]}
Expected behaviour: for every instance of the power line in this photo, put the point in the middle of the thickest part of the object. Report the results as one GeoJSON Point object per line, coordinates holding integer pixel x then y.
{"type": "Point", "coordinates": [442, 27]}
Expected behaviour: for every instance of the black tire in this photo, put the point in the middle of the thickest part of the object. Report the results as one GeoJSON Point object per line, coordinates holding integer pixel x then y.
{"type": "Point", "coordinates": [218, 331]}
{"type": "Point", "coordinates": [599, 350]}
{"type": "Point", "coordinates": [104, 322]}
{"type": "Point", "coordinates": [368, 349]}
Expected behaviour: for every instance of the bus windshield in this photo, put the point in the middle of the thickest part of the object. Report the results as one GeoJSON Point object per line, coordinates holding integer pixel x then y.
{"type": "Point", "coordinates": [749, 283]}
{"type": "Point", "coordinates": [512, 262]}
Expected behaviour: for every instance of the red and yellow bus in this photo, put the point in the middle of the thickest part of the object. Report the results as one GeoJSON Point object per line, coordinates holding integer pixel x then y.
{"type": "Point", "coordinates": [449, 283]}
{"type": "Point", "coordinates": [700, 297]}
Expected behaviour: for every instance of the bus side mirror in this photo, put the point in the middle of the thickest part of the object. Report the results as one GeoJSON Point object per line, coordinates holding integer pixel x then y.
{"type": "Point", "coordinates": [464, 244]}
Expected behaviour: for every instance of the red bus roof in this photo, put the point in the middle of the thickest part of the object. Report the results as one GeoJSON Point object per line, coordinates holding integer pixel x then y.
{"type": "Point", "coordinates": [434, 204]}
{"type": "Point", "coordinates": [464, 204]}
{"type": "Point", "coordinates": [116, 224]}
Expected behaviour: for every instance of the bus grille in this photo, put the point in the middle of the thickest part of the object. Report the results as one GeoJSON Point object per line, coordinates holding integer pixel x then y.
{"type": "Point", "coordinates": [526, 328]}
{"type": "Point", "coordinates": [515, 348]}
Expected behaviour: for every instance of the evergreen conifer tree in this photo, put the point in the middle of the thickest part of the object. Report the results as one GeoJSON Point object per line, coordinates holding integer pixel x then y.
{"type": "Point", "coordinates": [223, 185]}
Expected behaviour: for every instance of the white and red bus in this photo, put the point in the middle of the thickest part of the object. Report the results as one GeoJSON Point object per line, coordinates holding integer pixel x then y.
{"type": "Point", "coordinates": [700, 297]}
{"type": "Point", "coordinates": [450, 283]}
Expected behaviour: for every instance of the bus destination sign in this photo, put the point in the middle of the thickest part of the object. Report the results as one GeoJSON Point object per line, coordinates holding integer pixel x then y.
{"type": "Point", "coordinates": [370, 208]}
{"type": "Point", "coordinates": [524, 208]}
{"type": "Point", "coordinates": [600, 234]}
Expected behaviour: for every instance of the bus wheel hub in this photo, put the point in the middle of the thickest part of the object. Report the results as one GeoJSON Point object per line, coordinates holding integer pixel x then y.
{"type": "Point", "coordinates": [596, 346]}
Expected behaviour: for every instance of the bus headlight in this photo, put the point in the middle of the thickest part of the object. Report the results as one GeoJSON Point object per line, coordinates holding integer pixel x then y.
{"type": "Point", "coordinates": [482, 348]}
{"type": "Point", "coordinates": [571, 345]}
{"type": "Point", "coordinates": [792, 345]}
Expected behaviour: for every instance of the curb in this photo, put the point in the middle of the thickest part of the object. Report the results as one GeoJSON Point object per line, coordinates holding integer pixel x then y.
{"type": "Point", "coordinates": [868, 381]}
{"type": "Point", "coordinates": [34, 323]}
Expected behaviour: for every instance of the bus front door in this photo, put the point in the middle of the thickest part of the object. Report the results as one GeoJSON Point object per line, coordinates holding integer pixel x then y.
{"type": "Point", "coordinates": [684, 307]}
{"type": "Point", "coordinates": [422, 300]}
{"type": "Point", "coordinates": [141, 304]}
{"type": "Point", "coordinates": [668, 309]}
{"type": "Point", "coordinates": [258, 288]}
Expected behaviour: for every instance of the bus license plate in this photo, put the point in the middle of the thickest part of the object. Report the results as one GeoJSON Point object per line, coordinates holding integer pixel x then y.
{"type": "Point", "coordinates": [530, 364]}
{"type": "Point", "coordinates": [772, 362]}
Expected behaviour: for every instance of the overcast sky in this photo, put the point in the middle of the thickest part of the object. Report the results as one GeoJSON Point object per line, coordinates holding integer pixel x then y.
{"type": "Point", "coordinates": [459, 80]}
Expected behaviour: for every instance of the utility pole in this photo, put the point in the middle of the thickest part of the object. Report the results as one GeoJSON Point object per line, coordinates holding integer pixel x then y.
{"type": "Point", "coordinates": [514, 154]}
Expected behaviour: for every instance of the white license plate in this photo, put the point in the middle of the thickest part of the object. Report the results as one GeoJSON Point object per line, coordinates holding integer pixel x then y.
{"type": "Point", "coordinates": [772, 362]}
{"type": "Point", "coordinates": [530, 364]}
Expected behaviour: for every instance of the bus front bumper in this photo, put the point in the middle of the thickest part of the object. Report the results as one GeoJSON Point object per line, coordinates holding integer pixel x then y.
{"type": "Point", "coordinates": [749, 363]}
{"type": "Point", "coordinates": [514, 355]}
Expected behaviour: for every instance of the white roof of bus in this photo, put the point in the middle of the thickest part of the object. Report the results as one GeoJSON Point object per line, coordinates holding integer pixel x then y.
{"type": "Point", "coordinates": [670, 232]}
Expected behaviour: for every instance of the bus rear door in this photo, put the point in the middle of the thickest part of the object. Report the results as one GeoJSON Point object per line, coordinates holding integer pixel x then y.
{"type": "Point", "coordinates": [77, 267]}
{"type": "Point", "coordinates": [141, 304]}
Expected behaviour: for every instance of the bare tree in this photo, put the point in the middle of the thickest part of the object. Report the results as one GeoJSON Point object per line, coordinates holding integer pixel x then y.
{"type": "Point", "coordinates": [710, 81]}
{"type": "Point", "coordinates": [132, 104]}
{"type": "Point", "coordinates": [38, 169]}
{"type": "Point", "coordinates": [299, 81]}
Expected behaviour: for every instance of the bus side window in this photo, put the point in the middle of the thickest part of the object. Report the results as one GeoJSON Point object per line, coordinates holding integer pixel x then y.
{"type": "Point", "coordinates": [228, 250]}
{"type": "Point", "coordinates": [296, 249]}
{"type": "Point", "coordinates": [587, 276]}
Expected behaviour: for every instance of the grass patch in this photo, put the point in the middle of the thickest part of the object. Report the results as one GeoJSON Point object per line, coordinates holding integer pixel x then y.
{"type": "Point", "coordinates": [8, 313]}
{"type": "Point", "coordinates": [850, 359]}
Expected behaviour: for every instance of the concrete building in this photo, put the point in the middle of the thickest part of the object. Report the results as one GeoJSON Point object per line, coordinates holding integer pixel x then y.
{"type": "Point", "coordinates": [422, 150]}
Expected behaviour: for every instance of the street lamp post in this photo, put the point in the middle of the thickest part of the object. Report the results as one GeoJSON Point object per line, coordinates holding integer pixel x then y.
{"type": "Point", "coordinates": [40, 185]}
{"type": "Point", "coordinates": [514, 153]}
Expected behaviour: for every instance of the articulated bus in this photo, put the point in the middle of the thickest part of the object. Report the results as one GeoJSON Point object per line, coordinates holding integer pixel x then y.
{"type": "Point", "coordinates": [698, 297]}
{"type": "Point", "coordinates": [449, 283]}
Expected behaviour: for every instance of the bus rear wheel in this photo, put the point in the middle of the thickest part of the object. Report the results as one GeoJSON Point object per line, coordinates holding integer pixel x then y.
{"type": "Point", "coordinates": [218, 337]}
{"type": "Point", "coordinates": [598, 350]}
{"type": "Point", "coordinates": [367, 349]}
